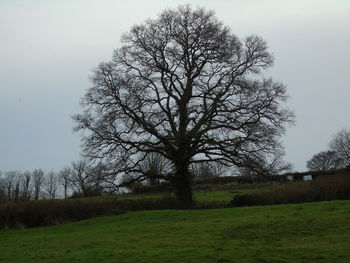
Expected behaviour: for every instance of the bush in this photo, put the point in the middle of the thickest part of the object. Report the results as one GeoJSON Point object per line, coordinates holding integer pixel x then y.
{"type": "Point", "coordinates": [323, 188]}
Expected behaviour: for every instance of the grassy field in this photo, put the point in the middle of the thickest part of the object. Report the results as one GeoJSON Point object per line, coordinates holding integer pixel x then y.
{"type": "Point", "coordinates": [221, 195]}
{"type": "Point", "coordinates": [309, 232]}
{"type": "Point", "coordinates": [225, 194]}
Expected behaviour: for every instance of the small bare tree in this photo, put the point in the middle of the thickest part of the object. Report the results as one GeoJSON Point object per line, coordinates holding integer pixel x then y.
{"type": "Point", "coordinates": [85, 179]}
{"type": "Point", "coordinates": [79, 177]}
{"type": "Point", "coordinates": [16, 192]}
{"type": "Point", "coordinates": [156, 167]}
{"type": "Point", "coordinates": [340, 144]}
{"type": "Point", "coordinates": [261, 168]}
{"type": "Point", "coordinates": [51, 185]}
{"type": "Point", "coordinates": [324, 161]}
{"type": "Point", "coordinates": [65, 180]}
{"type": "Point", "coordinates": [2, 188]}
{"type": "Point", "coordinates": [38, 180]}
{"type": "Point", "coordinates": [97, 178]}
{"type": "Point", "coordinates": [207, 170]}
{"type": "Point", "coordinates": [26, 189]}
{"type": "Point", "coordinates": [10, 184]}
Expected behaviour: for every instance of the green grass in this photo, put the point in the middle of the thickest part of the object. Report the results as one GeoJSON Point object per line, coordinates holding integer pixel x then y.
{"type": "Point", "coordinates": [223, 193]}
{"type": "Point", "coordinates": [198, 196]}
{"type": "Point", "coordinates": [309, 232]}
{"type": "Point", "coordinates": [227, 195]}
{"type": "Point", "coordinates": [213, 196]}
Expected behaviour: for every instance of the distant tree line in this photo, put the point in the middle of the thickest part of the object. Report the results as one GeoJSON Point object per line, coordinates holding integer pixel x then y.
{"type": "Point", "coordinates": [82, 179]}
{"type": "Point", "coordinates": [77, 180]}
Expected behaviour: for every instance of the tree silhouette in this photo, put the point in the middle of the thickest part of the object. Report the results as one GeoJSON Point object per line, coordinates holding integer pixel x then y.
{"type": "Point", "coordinates": [340, 144]}
{"type": "Point", "coordinates": [324, 160]}
{"type": "Point", "coordinates": [185, 87]}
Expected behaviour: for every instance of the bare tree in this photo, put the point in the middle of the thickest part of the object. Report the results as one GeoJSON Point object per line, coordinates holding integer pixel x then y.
{"type": "Point", "coordinates": [79, 177]}
{"type": "Point", "coordinates": [261, 168]}
{"type": "Point", "coordinates": [272, 164]}
{"type": "Point", "coordinates": [16, 192]}
{"type": "Point", "coordinates": [38, 180]}
{"type": "Point", "coordinates": [207, 170]}
{"type": "Point", "coordinates": [84, 178]}
{"type": "Point", "coordinates": [156, 167]}
{"type": "Point", "coordinates": [51, 185]}
{"type": "Point", "coordinates": [2, 188]}
{"type": "Point", "coordinates": [26, 191]}
{"type": "Point", "coordinates": [10, 184]}
{"type": "Point", "coordinates": [324, 161]}
{"type": "Point", "coordinates": [340, 144]}
{"type": "Point", "coordinates": [65, 180]}
{"type": "Point", "coordinates": [97, 180]}
{"type": "Point", "coordinates": [183, 86]}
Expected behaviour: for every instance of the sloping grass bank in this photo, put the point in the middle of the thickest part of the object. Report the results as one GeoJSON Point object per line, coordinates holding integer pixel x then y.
{"type": "Point", "coordinates": [308, 232]}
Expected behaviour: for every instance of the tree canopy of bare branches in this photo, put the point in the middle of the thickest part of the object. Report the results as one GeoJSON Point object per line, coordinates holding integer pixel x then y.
{"type": "Point", "coordinates": [38, 181]}
{"type": "Point", "coordinates": [340, 144]}
{"type": "Point", "coordinates": [267, 165]}
{"type": "Point", "coordinates": [183, 86]}
{"type": "Point", "coordinates": [324, 161]}
{"type": "Point", "coordinates": [51, 185]}
{"type": "Point", "coordinates": [85, 179]}
{"type": "Point", "coordinates": [65, 180]}
{"type": "Point", "coordinates": [155, 167]}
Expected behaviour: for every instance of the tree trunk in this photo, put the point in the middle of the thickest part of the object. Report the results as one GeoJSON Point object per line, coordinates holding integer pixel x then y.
{"type": "Point", "coordinates": [183, 183]}
{"type": "Point", "coordinates": [65, 191]}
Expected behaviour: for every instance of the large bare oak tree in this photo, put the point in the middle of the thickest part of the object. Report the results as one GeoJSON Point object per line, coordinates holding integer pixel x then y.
{"type": "Point", "coordinates": [185, 87]}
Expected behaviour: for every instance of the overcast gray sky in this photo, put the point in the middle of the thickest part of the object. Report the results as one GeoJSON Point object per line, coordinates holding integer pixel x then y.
{"type": "Point", "coordinates": [49, 48]}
